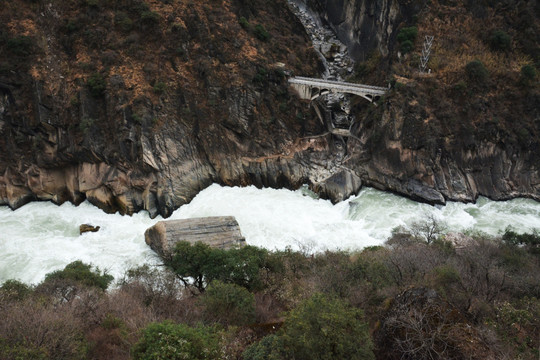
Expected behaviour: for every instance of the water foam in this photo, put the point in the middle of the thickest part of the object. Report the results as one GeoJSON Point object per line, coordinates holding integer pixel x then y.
{"type": "Point", "coordinates": [41, 237]}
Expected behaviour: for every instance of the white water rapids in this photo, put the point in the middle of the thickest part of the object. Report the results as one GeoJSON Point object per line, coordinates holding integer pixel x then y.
{"type": "Point", "coordinates": [42, 237]}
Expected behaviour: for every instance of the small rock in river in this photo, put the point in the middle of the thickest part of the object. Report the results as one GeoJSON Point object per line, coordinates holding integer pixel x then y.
{"type": "Point", "coordinates": [88, 228]}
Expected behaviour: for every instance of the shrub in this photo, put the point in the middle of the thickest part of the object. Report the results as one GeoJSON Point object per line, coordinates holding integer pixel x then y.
{"type": "Point", "coordinates": [160, 87]}
{"type": "Point", "coordinates": [261, 76]}
{"type": "Point", "coordinates": [14, 290]}
{"type": "Point", "coordinates": [21, 351]}
{"type": "Point", "coordinates": [123, 21]}
{"type": "Point", "coordinates": [318, 328]}
{"type": "Point", "coordinates": [476, 71]}
{"type": "Point", "coordinates": [527, 75]}
{"type": "Point", "coordinates": [500, 40]}
{"type": "Point", "coordinates": [20, 45]}
{"type": "Point", "coordinates": [97, 85]}
{"type": "Point", "coordinates": [269, 348]}
{"type": "Point", "coordinates": [326, 328]}
{"type": "Point", "coordinates": [243, 23]}
{"type": "Point", "coordinates": [171, 341]}
{"type": "Point", "coordinates": [406, 46]}
{"type": "Point", "coordinates": [530, 240]}
{"type": "Point", "coordinates": [407, 34]}
{"type": "Point", "coordinates": [72, 25]}
{"type": "Point", "coordinates": [85, 124]}
{"type": "Point", "coordinates": [406, 38]}
{"type": "Point", "coordinates": [261, 33]}
{"type": "Point", "coordinates": [229, 304]}
{"type": "Point", "coordinates": [92, 3]}
{"type": "Point", "coordinates": [150, 17]}
{"type": "Point", "coordinates": [82, 274]}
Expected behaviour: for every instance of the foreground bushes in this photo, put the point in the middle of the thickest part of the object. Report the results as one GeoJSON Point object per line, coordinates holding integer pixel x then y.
{"type": "Point", "coordinates": [318, 328]}
{"type": "Point", "coordinates": [420, 296]}
{"type": "Point", "coordinates": [169, 341]}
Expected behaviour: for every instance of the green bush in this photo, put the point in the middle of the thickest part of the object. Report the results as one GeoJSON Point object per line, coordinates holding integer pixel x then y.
{"type": "Point", "coordinates": [85, 124]}
{"type": "Point", "coordinates": [476, 71]}
{"type": "Point", "coordinates": [270, 347]}
{"type": "Point", "coordinates": [530, 240]}
{"type": "Point", "coordinates": [261, 77]}
{"type": "Point", "coordinates": [169, 341]}
{"type": "Point", "coordinates": [318, 328]}
{"type": "Point", "coordinates": [92, 3]}
{"type": "Point", "coordinates": [123, 21]}
{"type": "Point", "coordinates": [21, 351]}
{"type": "Point", "coordinates": [160, 87]}
{"type": "Point", "coordinates": [527, 75]}
{"type": "Point", "coordinates": [243, 23]}
{"type": "Point", "coordinates": [326, 328]}
{"type": "Point", "coordinates": [229, 304]}
{"type": "Point", "coordinates": [82, 274]}
{"type": "Point", "coordinates": [20, 45]}
{"type": "Point", "coordinates": [150, 18]}
{"type": "Point", "coordinates": [72, 25]}
{"type": "Point", "coordinates": [97, 85]}
{"type": "Point", "coordinates": [407, 34]}
{"type": "Point", "coordinates": [406, 38]}
{"type": "Point", "coordinates": [14, 290]}
{"type": "Point", "coordinates": [406, 46]}
{"type": "Point", "coordinates": [261, 33]}
{"type": "Point", "coordinates": [500, 40]}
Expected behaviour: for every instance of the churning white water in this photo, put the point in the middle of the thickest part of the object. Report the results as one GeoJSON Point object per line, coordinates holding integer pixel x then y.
{"type": "Point", "coordinates": [41, 237]}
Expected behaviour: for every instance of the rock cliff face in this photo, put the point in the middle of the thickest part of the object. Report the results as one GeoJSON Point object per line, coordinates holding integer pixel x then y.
{"type": "Point", "coordinates": [366, 26]}
{"type": "Point", "coordinates": [450, 135]}
{"type": "Point", "coordinates": [140, 105]}
{"type": "Point", "coordinates": [435, 168]}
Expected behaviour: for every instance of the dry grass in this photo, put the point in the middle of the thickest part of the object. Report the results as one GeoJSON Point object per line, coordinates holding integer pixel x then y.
{"type": "Point", "coordinates": [459, 39]}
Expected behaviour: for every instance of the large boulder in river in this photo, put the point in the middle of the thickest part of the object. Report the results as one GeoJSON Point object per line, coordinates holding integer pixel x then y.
{"type": "Point", "coordinates": [216, 231]}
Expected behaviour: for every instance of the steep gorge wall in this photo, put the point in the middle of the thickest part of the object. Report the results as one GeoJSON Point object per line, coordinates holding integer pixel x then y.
{"type": "Point", "coordinates": [446, 136]}
{"type": "Point", "coordinates": [140, 105]}
{"type": "Point", "coordinates": [366, 26]}
{"type": "Point", "coordinates": [190, 100]}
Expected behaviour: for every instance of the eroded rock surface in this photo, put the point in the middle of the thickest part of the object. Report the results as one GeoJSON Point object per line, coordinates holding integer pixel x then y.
{"type": "Point", "coordinates": [216, 231]}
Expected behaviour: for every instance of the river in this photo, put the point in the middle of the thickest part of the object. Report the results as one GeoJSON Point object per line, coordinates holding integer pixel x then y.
{"type": "Point", "coordinates": [41, 237]}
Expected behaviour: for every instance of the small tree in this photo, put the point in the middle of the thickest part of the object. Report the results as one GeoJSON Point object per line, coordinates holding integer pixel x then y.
{"type": "Point", "coordinates": [429, 229]}
{"type": "Point", "coordinates": [203, 264]}
{"type": "Point", "coordinates": [406, 37]}
{"type": "Point", "coordinates": [169, 341]}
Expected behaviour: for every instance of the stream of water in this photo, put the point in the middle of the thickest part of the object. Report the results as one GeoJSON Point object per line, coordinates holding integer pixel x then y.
{"type": "Point", "coordinates": [42, 237]}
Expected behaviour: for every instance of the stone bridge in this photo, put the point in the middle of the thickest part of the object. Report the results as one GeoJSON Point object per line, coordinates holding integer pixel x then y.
{"type": "Point", "coordinates": [310, 89]}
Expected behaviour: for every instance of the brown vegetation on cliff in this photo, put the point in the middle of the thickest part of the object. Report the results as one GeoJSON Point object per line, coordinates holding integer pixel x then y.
{"type": "Point", "coordinates": [471, 125]}
{"type": "Point", "coordinates": [160, 96]}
